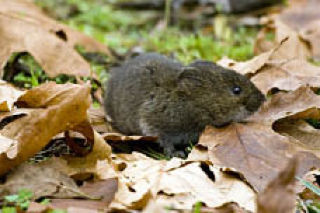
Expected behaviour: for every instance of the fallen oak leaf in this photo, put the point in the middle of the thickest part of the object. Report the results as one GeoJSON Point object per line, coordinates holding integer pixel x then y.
{"type": "Point", "coordinates": [43, 181]}
{"type": "Point", "coordinates": [304, 18]}
{"type": "Point", "coordinates": [287, 75]}
{"type": "Point", "coordinates": [60, 107]}
{"type": "Point", "coordinates": [301, 131]}
{"type": "Point", "coordinates": [294, 48]}
{"type": "Point", "coordinates": [281, 188]}
{"type": "Point", "coordinates": [55, 54]}
{"type": "Point", "coordinates": [33, 14]}
{"type": "Point", "coordinates": [104, 190]}
{"type": "Point", "coordinates": [299, 104]}
{"type": "Point", "coordinates": [255, 151]}
{"type": "Point", "coordinates": [270, 70]}
{"type": "Point", "coordinates": [252, 66]}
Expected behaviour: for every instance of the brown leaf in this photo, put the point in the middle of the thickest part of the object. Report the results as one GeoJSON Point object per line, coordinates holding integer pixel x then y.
{"type": "Point", "coordinates": [251, 66]}
{"type": "Point", "coordinates": [273, 69]}
{"type": "Point", "coordinates": [34, 15]}
{"type": "Point", "coordinates": [54, 55]}
{"type": "Point", "coordinates": [98, 159]}
{"type": "Point", "coordinates": [279, 196]}
{"type": "Point", "coordinates": [311, 34]}
{"type": "Point", "coordinates": [287, 75]}
{"type": "Point", "coordinates": [42, 181]}
{"type": "Point", "coordinates": [305, 134]}
{"type": "Point", "coordinates": [37, 34]}
{"type": "Point", "coordinates": [294, 48]}
{"type": "Point", "coordinates": [38, 208]}
{"type": "Point", "coordinates": [254, 150]}
{"type": "Point", "coordinates": [101, 189]}
{"type": "Point", "coordinates": [302, 103]}
{"type": "Point", "coordinates": [98, 121]}
{"type": "Point", "coordinates": [57, 109]}
{"type": "Point", "coordinates": [176, 183]}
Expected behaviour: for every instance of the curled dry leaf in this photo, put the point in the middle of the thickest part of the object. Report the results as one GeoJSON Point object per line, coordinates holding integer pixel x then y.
{"type": "Point", "coordinates": [305, 134]}
{"type": "Point", "coordinates": [55, 54]}
{"type": "Point", "coordinates": [255, 151]}
{"type": "Point", "coordinates": [304, 18]}
{"type": "Point", "coordinates": [46, 181]}
{"type": "Point", "coordinates": [287, 75]}
{"type": "Point", "coordinates": [176, 183]}
{"type": "Point", "coordinates": [253, 65]}
{"type": "Point", "coordinates": [96, 162]}
{"type": "Point", "coordinates": [57, 108]}
{"type": "Point", "coordinates": [300, 21]}
{"type": "Point", "coordinates": [298, 104]}
{"type": "Point", "coordinates": [8, 95]}
{"type": "Point", "coordinates": [295, 47]}
{"type": "Point", "coordinates": [279, 196]}
{"type": "Point", "coordinates": [271, 70]}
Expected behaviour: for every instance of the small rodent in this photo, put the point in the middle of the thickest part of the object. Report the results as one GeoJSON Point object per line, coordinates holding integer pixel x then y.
{"type": "Point", "coordinates": [154, 95]}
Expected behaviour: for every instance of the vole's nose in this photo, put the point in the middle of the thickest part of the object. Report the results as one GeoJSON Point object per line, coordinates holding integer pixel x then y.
{"type": "Point", "coordinates": [254, 101]}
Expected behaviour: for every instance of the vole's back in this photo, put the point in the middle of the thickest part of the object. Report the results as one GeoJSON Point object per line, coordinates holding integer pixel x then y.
{"type": "Point", "coordinates": [131, 84]}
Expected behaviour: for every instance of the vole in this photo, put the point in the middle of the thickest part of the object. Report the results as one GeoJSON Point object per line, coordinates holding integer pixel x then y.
{"type": "Point", "coordinates": [154, 95]}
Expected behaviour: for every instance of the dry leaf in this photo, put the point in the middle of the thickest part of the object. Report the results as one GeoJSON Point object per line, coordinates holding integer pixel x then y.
{"type": "Point", "coordinates": [279, 196]}
{"type": "Point", "coordinates": [104, 190]}
{"type": "Point", "coordinates": [287, 75]}
{"type": "Point", "coordinates": [38, 208]}
{"type": "Point", "coordinates": [187, 184]}
{"type": "Point", "coordinates": [272, 70]}
{"type": "Point", "coordinates": [55, 55]}
{"type": "Point", "coordinates": [253, 65]}
{"type": "Point", "coordinates": [300, 104]}
{"type": "Point", "coordinates": [98, 158]}
{"type": "Point", "coordinates": [305, 134]}
{"type": "Point", "coordinates": [57, 109]}
{"type": "Point", "coordinates": [294, 48]}
{"type": "Point", "coordinates": [98, 121]}
{"type": "Point", "coordinates": [175, 183]}
{"type": "Point", "coordinates": [42, 181]}
{"type": "Point", "coordinates": [304, 18]}
{"type": "Point", "coordinates": [254, 150]}
{"type": "Point", "coordinates": [8, 95]}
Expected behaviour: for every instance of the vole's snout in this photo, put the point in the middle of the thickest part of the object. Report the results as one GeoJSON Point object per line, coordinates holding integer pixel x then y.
{"type": "Point", "coordinates": [254, 102]}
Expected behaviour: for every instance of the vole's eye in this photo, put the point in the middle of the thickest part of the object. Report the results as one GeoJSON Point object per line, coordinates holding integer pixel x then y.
{"type": "Point", "coordinates": [236, 90]}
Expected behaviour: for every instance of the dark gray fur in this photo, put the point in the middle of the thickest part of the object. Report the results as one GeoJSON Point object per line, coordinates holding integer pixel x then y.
{"type": "Point", "coordinates": [153, 95]}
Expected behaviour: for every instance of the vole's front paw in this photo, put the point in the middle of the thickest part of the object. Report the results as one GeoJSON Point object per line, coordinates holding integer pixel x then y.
{"type": "Point", "coordinates": [179, 154]}
{"type": "Point", "coordinates": [170, 151]}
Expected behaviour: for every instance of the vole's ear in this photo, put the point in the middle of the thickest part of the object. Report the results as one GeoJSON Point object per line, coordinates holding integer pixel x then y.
{"type": "Point", "coordinates": [188, 79]}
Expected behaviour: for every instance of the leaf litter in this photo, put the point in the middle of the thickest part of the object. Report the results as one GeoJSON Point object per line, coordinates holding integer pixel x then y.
{"type": "Point", "coordinates": [56, 55]}
{"type": "Point", "coordinates": [229, 169]}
